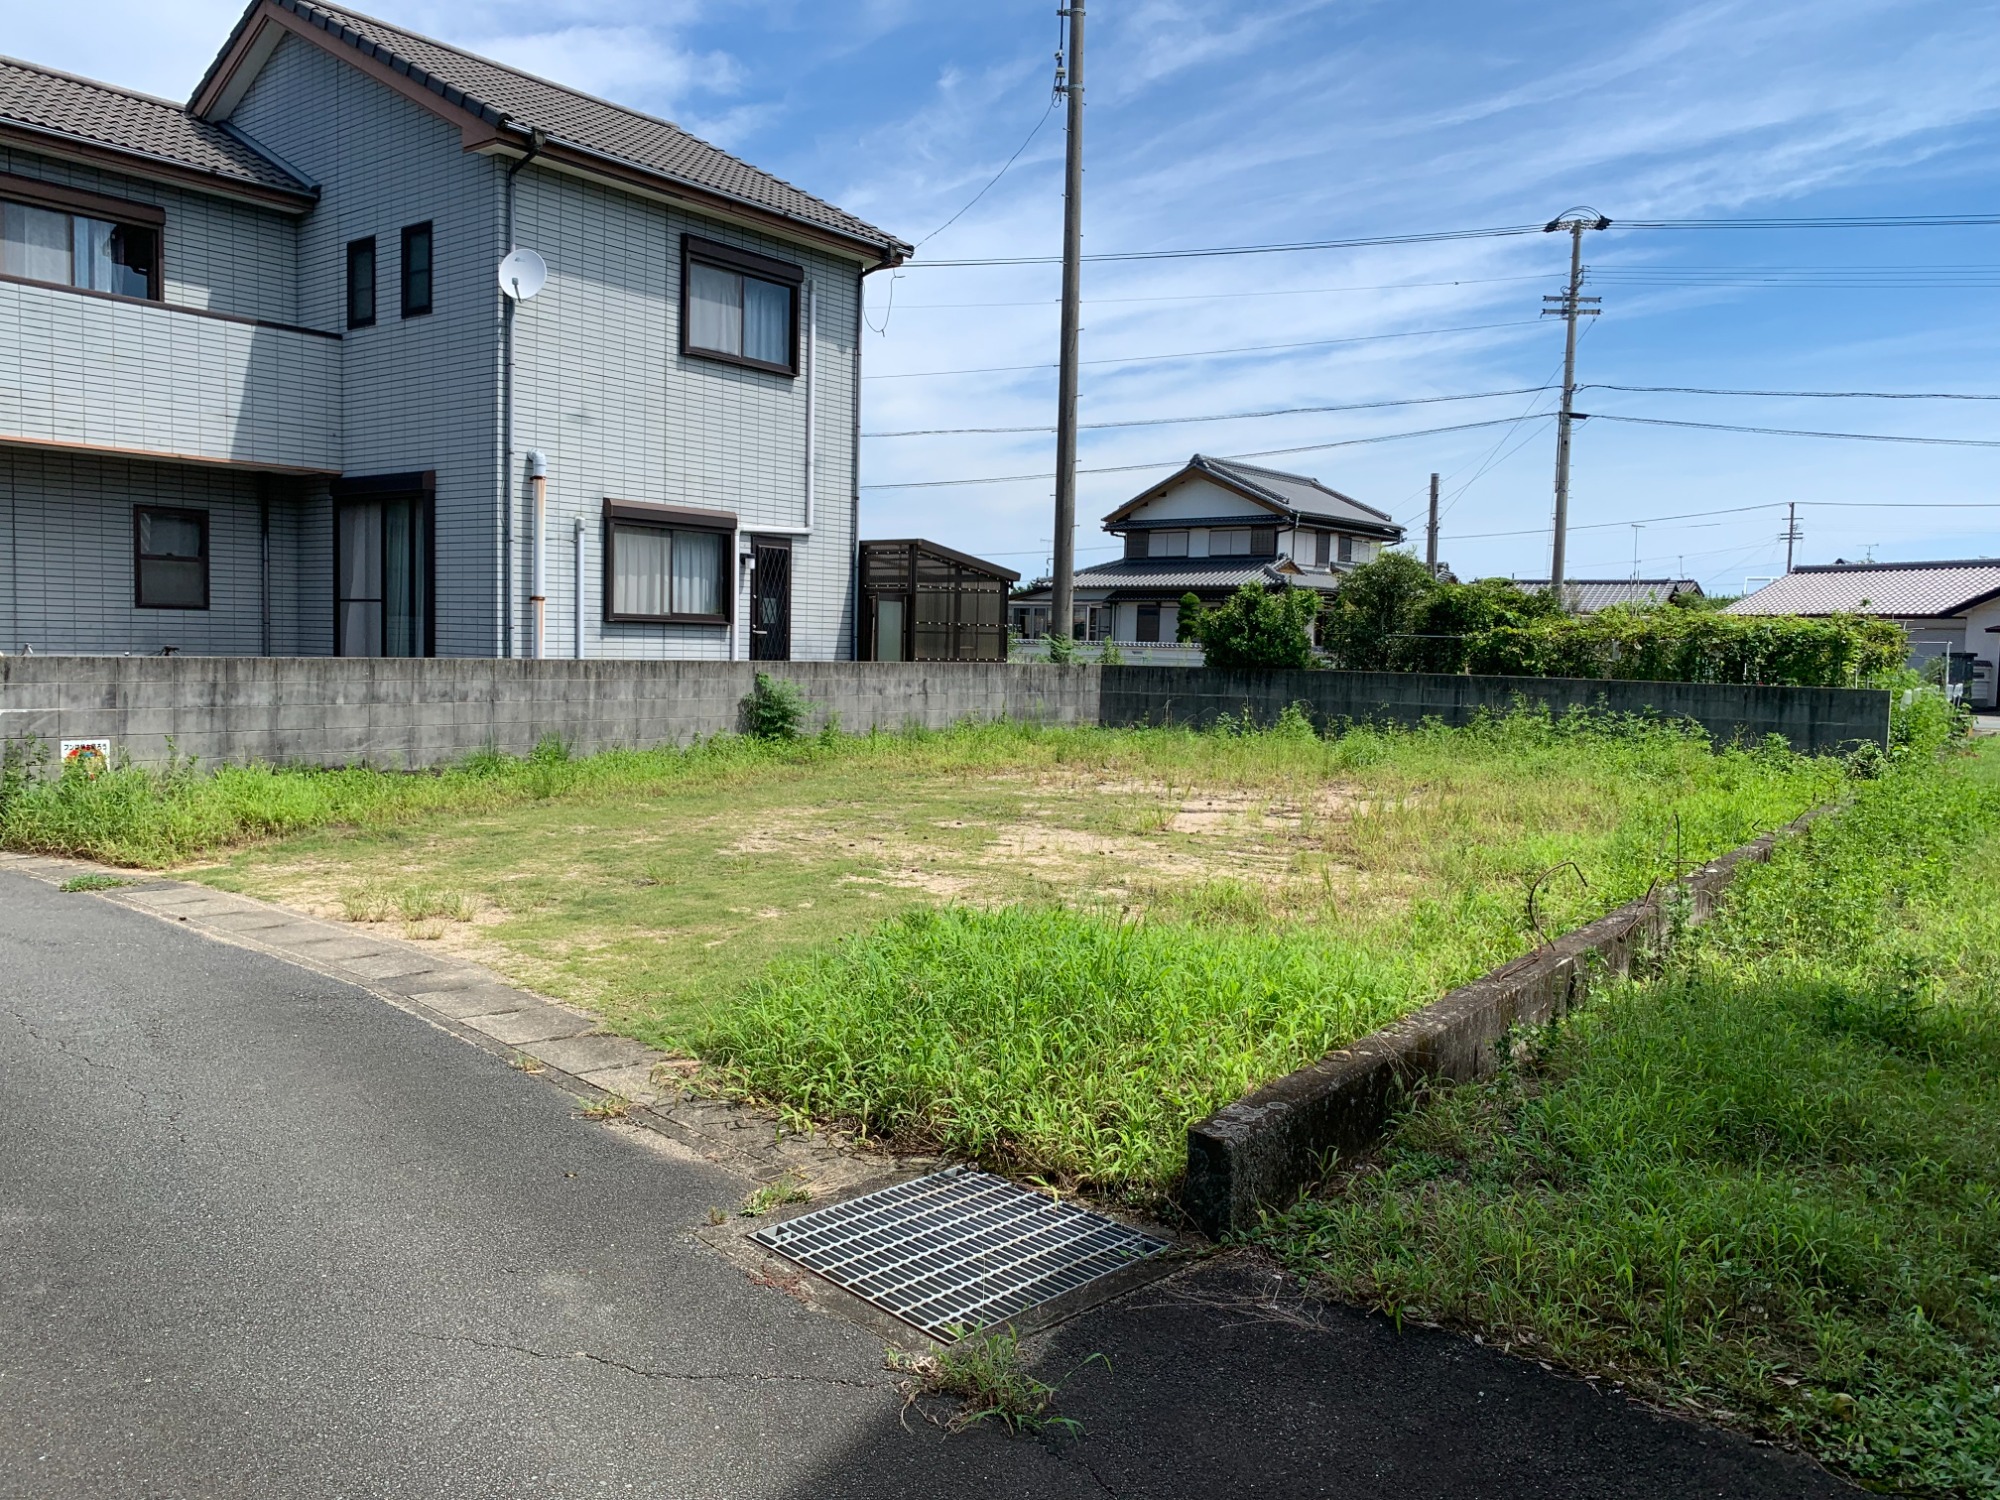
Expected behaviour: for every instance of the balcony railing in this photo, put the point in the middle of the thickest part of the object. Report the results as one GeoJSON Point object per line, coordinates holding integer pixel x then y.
{"type": "Point", "coordinates": [91, 371]}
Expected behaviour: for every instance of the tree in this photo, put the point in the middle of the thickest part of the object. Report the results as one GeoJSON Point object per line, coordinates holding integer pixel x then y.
{"type": "Point", "coordinates": [1254, 628]}
{"type": "Point", "coordinates": [1367, 626]}
{"type": "Point", "coordinates": [1445, 623]}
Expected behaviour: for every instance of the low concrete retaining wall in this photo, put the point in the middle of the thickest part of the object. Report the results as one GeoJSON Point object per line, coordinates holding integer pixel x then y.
{"type": "Point", "coordinates": [1813, 720]}
{"type": "Point", "coordinates": [1264, 1149]}
{"type": "Point", "coordinates": [333, 711]}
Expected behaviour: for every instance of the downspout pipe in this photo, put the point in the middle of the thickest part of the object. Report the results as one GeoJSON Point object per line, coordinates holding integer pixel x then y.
{"type": "Point", "coordinates": [538, 584]}
{"type": "Point", "coordinates": [537, 138]}
{"type": "Point", "coordinates": [812, 398]}
{"type": "Point", "coordinates": [579, 529]}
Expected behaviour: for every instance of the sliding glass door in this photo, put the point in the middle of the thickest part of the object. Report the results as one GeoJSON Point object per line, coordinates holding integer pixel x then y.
{"type": "Point", "coordinates": [381, 569]}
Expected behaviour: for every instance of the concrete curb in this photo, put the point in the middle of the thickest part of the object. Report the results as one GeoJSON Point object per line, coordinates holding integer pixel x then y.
{"type": "Point", "coordinates": [1264, 1149]}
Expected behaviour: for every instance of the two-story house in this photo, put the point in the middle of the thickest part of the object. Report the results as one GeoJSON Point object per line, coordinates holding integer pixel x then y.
{"type": "Point", "coordinates": [262, 389]}
{"type": "Point", "coordinates": [1208, 529]}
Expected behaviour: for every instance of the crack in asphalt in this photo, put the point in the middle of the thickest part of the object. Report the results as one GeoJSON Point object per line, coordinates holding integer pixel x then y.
{"type": "Point", "coordinates": [781, 1377]}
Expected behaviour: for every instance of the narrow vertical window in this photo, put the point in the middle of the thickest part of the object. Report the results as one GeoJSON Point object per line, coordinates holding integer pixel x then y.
{"type": "Point", "coordinates": [361, 283]}
{"type": "Point", "coordinates": [1347, 549]}
{"type": "Point", "coordinates": [416, 270]}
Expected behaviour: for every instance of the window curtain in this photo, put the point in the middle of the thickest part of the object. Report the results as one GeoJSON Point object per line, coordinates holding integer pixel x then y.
{"type": "Point", "coordinates": [639, 571]}
{"type": "Point", "coordinates": [767, 321]}
{"type": "Point", "coordinates": [360, 581]}
{"type": "Point", "coordinates": [715, 309]}
{"type": "Point", "coordinates": [697, 573]}
{"type": "Point", "coordinates": [402, 578]}
{"type": "Point", "coordinates": [35, 243]}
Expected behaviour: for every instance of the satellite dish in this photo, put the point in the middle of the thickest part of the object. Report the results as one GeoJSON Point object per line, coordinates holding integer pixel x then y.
{"type": "Point", "coordinates": [522, 274]}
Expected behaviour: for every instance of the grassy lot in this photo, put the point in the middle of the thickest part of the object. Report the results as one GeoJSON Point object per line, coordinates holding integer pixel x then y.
{"type": "Point", "coordinates": [1764, 1186]}
{"type": "Point", "coordinates": [1048, 950]}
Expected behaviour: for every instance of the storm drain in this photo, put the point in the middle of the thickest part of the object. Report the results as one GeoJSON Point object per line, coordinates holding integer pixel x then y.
{"type": "Point", "coordinates": [959, 1250]}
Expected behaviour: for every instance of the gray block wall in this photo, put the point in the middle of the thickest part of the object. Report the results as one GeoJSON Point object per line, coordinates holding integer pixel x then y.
{"type": "Point", "coordinates": [419, 713]}
{"type": "Point", "coordinates": [1815, 720]}
{"type": "Point", "coordinates": [419, 393]}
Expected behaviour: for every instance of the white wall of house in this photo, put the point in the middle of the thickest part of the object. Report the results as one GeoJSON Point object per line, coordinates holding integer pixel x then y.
{"type": "Point", "coordinates": [1199, 498]}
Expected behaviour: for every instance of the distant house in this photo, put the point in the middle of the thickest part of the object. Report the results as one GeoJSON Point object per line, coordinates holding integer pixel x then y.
{"type": "Point", "coordinates": [921, 601]}
{"type": "Point", "coordinates": [1947, 607]}
{"type": "Point", "coordinates": [1207, 530]}
{"type": "Point", "coordinates": [1588, 595]}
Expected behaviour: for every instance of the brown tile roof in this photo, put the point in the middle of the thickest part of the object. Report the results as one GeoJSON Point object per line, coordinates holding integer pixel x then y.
{"type": "Point", "coordinates": [1898, 590]}
{"type": "Point", "coordinates": [500, 94]}
{"type": "Point", "coordinates": [45, 101]}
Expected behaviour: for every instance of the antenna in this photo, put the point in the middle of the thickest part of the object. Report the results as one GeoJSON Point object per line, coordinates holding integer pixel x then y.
{"type": "Point", "coordinates": [522, 274]}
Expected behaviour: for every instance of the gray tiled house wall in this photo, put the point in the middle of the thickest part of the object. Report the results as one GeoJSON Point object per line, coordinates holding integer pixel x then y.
{"type": "Point", "coordinates": [603, 390]}
{"type": "Point", "coordinates": [218, 254]}
{"type": "Point", "coordinates": [420, 393]}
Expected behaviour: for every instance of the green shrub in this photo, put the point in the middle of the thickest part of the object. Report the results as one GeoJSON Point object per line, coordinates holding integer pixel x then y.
{"type": "Point", "coordinates": [1254, 628]}
{"type": "Point", "coordinates": [775, 709]}
{"type": "Point", "coordinates": [1664, 644]}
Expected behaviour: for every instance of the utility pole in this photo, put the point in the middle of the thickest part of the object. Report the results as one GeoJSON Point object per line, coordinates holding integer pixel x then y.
{"type": "Point", "coordinates": [1792, 535]}
{"type": "Point", "coordinates": [1062, 609]}
{"type": "Point", "coordinates": [1570, 306]}
{"type": "Point", "coordinates": [1431, 532]}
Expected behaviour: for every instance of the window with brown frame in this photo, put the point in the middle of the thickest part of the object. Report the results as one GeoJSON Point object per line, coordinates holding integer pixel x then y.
{"type": "Point", "coordinates": [169, 558]}
{"type": "Point", "coordinates": [80, 240]}
{"type": "Point", "coordinates": [416, 270]}
{"type": "Point", "coordinates": [665, 564]}
{"type": "Point", "coordinates": [361, 283]}
{"type": "Point", "coordinates": [739, 306]}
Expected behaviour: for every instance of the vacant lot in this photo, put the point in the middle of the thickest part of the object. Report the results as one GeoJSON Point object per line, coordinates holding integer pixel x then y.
{"type": "Point", "coordinates": [1765, 1186]}
{"type": "Point", "coordinates": [1045, 949]}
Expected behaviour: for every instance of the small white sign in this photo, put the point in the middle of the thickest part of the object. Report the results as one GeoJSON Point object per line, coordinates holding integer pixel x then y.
{"type": "Point", "coordinates": [89, 756]}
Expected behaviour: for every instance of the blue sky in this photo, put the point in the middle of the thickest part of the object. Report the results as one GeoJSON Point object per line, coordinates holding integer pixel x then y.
{"type": "Point", "coordinates": [1221, 124]}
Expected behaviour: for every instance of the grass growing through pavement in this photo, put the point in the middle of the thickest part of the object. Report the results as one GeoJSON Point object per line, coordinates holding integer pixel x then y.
{"type": "Point", "coordinates": [1765, 1185]}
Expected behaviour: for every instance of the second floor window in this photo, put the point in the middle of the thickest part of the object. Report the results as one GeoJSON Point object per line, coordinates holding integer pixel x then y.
{"type": "Point", "coordinates": [416, 270]}
{"type": "Point", "coordinates": [68, 249]}
{"type": "Point", "coordinates": [739, 306]}
{"type": "Point", "coordinates": [361, 283]}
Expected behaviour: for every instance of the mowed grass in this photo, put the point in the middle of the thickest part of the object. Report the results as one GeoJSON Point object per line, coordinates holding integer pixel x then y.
{"type": "Point", "coordinates": [1047, 950]}
{"type": "Point", "coordinates": [1765, 1185]}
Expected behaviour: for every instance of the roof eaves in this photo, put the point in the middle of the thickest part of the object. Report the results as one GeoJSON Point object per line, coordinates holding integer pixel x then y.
{"type": "Point", "coordinates": [303, 195]}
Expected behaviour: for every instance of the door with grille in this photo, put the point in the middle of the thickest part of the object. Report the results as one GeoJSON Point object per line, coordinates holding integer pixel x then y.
{"type": "Point", "coordinates": [770, 600]}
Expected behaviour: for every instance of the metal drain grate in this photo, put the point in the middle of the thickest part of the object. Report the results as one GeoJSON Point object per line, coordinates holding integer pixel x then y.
{"type": "Point", "coordinates": [959, 1250]}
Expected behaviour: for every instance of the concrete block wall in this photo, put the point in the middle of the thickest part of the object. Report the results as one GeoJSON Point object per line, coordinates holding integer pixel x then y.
{"type": "Point", "coordinates": [415, 713]}
{"type": "Point", "coordinates": [1814, 720]}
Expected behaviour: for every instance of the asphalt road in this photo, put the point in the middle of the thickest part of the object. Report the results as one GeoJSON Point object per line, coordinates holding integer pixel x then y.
{"type": "Point", "coordinates": [264, 1234]}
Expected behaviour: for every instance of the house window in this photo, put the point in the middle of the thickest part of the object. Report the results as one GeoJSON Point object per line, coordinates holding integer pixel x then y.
{"type": "Point", "coordinates": [1232, 542]}
{"type": "Point", "coordinates": [170, 558]}
{"type": "Point", "coordinates": [1169, 544]}
{"type": "Point", "coordinates": [1321, 541]}
{"type": "Point", "coordinates": [416, 270]}
{"type": "Point", "coordinates": [739, 306]}
{"type": "Point", "coordinates": [382, 576]}
{"type": "Point", "coordinates": [1347, 549]}
{"type": "Point", "coordinates": [73, 249]}
{"type": "Point", "coordinates": [361, 283]}
{"type": "Point", "coordinates": [1135, 545]}
{"type": "Point", "coordinates": [662, 572]}
{"type": "Point", "coordinates": [1148, 624]}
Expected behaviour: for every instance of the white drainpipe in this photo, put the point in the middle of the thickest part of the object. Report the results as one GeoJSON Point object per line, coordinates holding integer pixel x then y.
{"type": "Point", "coordinates": [538, 477]}
{"type": "Point", "coordinates": [579, 588]}
{"type": "Point", "coordinates": [812, 396]}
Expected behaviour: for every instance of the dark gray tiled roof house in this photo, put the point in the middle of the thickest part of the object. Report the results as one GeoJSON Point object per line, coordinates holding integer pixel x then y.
{"type": "Point", "coordinates": [264, 393]}
{"type": "Point", "coordinates": [1588, 595]}
{"type": "Point", "coordinates": [1207, 529]}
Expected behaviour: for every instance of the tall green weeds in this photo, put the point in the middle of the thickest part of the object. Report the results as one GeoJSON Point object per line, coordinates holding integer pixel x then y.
{"type": "Point", "coordinates": [1765, 1185]}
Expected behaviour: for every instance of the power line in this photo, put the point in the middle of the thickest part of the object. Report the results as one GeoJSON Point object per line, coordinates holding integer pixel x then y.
{"type": "Point", "coordinates": [1703, 390]}
{"type": "Point", "coordinates": [996, 177]}
{"type": "Point", "coordinates": [1301, 291]}
{"type": "Point", "coordinates": [1134, 359]}
{"type": "Point", "coordinates": [1444, 236]}
{"type": "Point", "coordinates": [1744, 510]}
{"type": "Point", "coordinates": [1236, 416]}
{"type": "Point", "coordinates": [1858, 437]}
{"type": "Point", "coordinates": [1172, 463]}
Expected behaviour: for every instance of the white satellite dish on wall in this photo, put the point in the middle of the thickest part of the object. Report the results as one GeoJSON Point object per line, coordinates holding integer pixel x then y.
{"type": "Point", "coordinates": [522, 274]}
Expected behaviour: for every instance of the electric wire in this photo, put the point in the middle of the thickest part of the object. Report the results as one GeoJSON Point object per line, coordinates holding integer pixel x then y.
{"type": "Point", "coordinates": [1299, 291]}
{"type": "Point", "coordinates": [1703, 390]}
{"type": "Point", "coordinates": [1235, 416]}
{"type": "Point", "coordinates": [1856, 437]}
{"type": "Point", "coordinates": [1135, 359]}
{"type": "Point", "coordinates": [996, 178]}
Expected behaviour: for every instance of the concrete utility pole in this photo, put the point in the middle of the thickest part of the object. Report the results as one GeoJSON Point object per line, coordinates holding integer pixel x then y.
{"type": "Point", "coordinates": [1062, 608]}
{"type": "Point", "coordinates": [1431, 532]}
{"type": "Point", "coordinates": [1792, 535]}
{"type": "Point", "coordinates": [1570, 306]}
